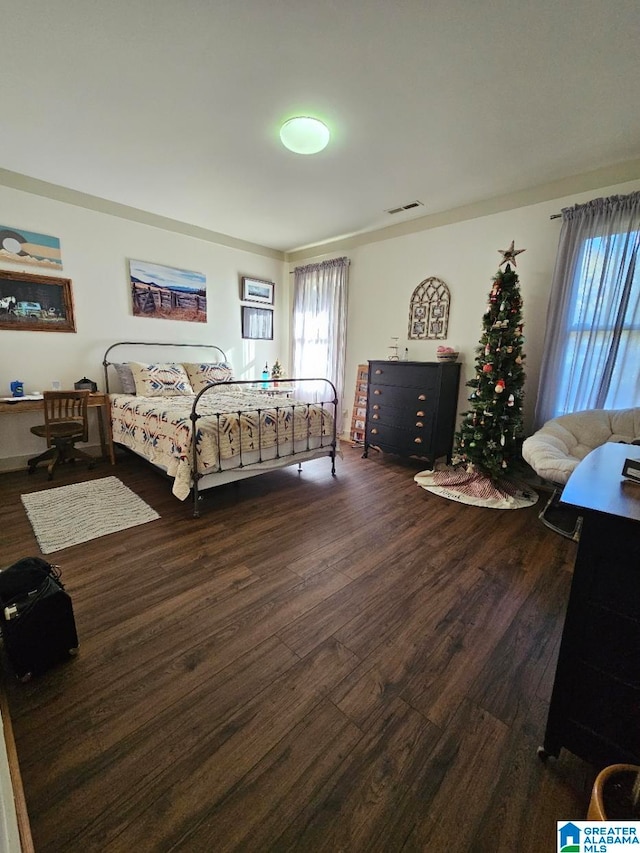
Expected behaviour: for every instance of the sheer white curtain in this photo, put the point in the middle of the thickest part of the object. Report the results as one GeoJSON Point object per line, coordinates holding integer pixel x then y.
{"type": "Point", "coordinates": [320, 326]}
{"type": "Point", "coordinates": [592, 343]}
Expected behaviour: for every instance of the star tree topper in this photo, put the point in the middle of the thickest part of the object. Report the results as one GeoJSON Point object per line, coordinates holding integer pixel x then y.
{"type": "Point", "coordinates": [509, 255]}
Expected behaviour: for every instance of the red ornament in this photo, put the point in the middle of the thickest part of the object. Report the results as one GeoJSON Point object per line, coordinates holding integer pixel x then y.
{"type": "Point", "coordinates": [499, 386]}
{"type": "Point", "coordinates": [487, 368]}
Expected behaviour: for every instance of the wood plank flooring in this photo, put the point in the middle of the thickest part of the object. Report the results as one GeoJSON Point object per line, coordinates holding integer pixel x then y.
{"type": "Point", "coordinates": [315, 664]}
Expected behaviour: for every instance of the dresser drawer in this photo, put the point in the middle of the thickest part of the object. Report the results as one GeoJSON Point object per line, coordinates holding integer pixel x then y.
{"type": "Point", "coordinates": [611, 643]}
{"type": "Point", "coordinates": [616, 581]}
{"type": "Point", "coordinates": [605, 705]}
{"type": "Point", "coordinates": [406, 374]}
{"type": "Point", "coordinates": [415, 440]}
{"type": "Point", "coordinates": [412, 399]}
{"type": "Point", "coordinates": [406, 418]}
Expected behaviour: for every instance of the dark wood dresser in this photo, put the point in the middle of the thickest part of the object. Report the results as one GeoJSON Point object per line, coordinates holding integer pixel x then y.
{"type": "Point", "coordinates": [595, 703]}
{"type": "Point", "coordinates": [411, 408]}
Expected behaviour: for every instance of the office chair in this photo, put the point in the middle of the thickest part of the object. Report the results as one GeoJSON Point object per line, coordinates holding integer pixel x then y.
{"type": "Point", "coordinates": [65, 422]}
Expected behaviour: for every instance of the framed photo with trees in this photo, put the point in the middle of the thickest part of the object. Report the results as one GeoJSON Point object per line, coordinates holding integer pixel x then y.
{"type": "Point", "coordinates": [35, 303]}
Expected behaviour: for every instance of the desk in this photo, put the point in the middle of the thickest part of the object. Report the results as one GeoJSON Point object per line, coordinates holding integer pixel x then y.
{"type": "Point", "coordinates": [595, 703]}
{"type": "Point", "coordinates": [97, 401]}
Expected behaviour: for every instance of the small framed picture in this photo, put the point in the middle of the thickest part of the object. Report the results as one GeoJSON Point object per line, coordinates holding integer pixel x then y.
{"type": "Point", "coordinates": [257, 323]}
{"type": "Point", "coordinates": [257, 290]}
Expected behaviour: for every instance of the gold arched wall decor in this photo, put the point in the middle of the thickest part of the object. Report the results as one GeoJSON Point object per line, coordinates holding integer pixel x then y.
{"type": "Point", "coordinates": [429, 310]}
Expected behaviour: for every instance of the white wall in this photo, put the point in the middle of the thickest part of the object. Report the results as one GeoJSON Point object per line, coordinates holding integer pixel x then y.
{"type": "Point", "coordinates": [384, 274]}
{"type": "Point", "coordinates": [95, 251]}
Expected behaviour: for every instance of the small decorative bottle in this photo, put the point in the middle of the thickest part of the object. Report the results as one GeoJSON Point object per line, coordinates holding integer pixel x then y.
{"type": "Point", "coordinates": [406, 353]}
{"type": "Point", "coordinates": [265, 375]}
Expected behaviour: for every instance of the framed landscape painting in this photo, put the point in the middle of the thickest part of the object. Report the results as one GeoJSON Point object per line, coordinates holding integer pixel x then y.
{"type": "Point", "coordinates": [257, 290]}
{"type": "Point", "coordinates": [167, 293]}
{"type": "Point", "coordinates": [35, 303]}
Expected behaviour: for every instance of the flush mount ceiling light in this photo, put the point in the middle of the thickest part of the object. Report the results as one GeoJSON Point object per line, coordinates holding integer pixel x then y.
{"type": "Point", "coordinates": [304, 135]}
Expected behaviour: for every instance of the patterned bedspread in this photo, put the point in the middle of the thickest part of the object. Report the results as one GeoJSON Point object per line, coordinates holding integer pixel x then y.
{"type": "Point", "coordinates": [238, 427]}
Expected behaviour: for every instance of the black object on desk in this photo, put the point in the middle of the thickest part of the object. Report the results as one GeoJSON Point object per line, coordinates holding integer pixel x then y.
{"type": "Point", "coordinates": [595, 703]}
{"type": "Point", "coordinates": [85, 384]}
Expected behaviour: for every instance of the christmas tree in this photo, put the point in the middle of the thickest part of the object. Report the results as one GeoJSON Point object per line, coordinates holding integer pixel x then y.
{"type": "Point", "coordinates": [490, 435]}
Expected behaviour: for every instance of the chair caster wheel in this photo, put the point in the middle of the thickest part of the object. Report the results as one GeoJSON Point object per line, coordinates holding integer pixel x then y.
{"type": "Point", "coordinates": [73, 652]}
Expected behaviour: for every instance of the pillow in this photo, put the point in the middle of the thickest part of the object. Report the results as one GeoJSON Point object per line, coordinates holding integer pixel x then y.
{"type": "Point", "coordinates": [160, 380]}
{"type": "Point", "coordinates": [127, 382]}
{"type": "Point", "coordinates": [200, 375]}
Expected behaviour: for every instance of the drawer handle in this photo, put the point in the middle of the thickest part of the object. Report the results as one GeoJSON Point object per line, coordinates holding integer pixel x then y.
{"type": "Point", "coordinates": [376, 417]}
{"type": "Point", "coordinates": [418, 440]}
{"type": "Point", "coordinates": [374, 431]}
{"type": "Point", "coordinates": [378, 372]}
{"type": "Point", "coordinates": [422, 396]}
{"type": "Point", "coordinates": [420, 414]}
{"type": "Point", "coordinates": [377, 391]}
{"type": "Point", "coordinates": [419, 424]}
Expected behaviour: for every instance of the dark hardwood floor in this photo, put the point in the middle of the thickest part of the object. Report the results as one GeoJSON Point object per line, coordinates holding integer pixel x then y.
{"type": "Point", "coordinates": [348, 664]}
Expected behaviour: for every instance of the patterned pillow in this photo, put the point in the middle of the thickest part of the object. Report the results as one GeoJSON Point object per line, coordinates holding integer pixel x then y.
{"type": "Point", "coordinates": [160, 380]}
{"type": "Point", "coordinates": [127, 382]}
{"type": "Point", "coordinates": [200, 375]}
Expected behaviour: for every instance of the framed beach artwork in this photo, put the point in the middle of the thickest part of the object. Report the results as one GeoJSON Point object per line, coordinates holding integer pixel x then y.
{"type": "Point", "coordinates": [28, 247]}
{"type": "Point", "coordinates": [167, 293]}
{"type": "Point", "coordinates": [35, 303]}
{"type": "Point", "coordinates": [257, 290]}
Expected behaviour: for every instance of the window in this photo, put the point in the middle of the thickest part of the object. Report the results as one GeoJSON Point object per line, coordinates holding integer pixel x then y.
{"type": "Point", "coordinates": [319, 325]}
{"type": "Point", "coordinates": [591, 357]}
{"type": "Point", "coordinates": [602, 349]}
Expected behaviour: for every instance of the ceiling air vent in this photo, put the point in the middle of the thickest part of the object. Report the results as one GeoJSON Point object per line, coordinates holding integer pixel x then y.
{"type": "Point", "coordinates": [409, 206]}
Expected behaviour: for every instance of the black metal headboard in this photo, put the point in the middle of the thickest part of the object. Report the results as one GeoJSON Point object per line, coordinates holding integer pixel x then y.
{"type": "Point", "coordinates": [106, 362]}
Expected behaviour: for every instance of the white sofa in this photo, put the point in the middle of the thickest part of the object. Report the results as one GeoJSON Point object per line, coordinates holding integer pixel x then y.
{"type": "Point", "coordinates": [557, 447]}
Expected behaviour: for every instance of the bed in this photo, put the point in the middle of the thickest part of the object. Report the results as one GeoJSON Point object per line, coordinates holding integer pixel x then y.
{"type": "Point", "coordinates": [197, 423]}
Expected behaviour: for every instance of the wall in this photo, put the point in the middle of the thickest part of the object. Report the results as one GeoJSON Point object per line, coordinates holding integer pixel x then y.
{"type": "Point", "coordinates": [384, 274]}
{"type": "Point", "coordinates": [95, 250]}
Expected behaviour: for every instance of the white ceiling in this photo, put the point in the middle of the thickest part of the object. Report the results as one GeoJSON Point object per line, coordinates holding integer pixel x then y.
{"type": "Point", "coordinates": [174, 106]}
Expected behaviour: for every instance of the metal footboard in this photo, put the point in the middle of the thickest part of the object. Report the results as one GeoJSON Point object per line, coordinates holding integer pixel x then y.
{"type": "Point", "coordinates": [285, 404]}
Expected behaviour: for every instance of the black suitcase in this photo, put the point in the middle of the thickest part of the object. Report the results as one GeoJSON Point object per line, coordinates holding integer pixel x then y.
{"type": "Point", "coordinates": [36, 617]}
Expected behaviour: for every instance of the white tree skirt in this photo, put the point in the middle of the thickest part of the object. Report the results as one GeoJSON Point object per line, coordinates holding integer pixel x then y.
{"type": "Point", "coordinates": [470, 487]}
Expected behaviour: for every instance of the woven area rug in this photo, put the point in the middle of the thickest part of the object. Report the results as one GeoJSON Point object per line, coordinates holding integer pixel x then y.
{"type": "Point", "coordinates": [73, 514]}
{"type": "Point", "coordinates": [476, 489]}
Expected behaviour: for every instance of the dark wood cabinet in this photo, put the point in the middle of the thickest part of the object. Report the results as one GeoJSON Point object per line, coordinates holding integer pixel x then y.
{"type": "Point", "coordinates": [411, 408]}
{"type": "Point", "coordinates": [595, 703]}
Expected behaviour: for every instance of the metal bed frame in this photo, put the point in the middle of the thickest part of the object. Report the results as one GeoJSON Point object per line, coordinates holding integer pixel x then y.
{"type": "Point", "coordinates": [329, 449]}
